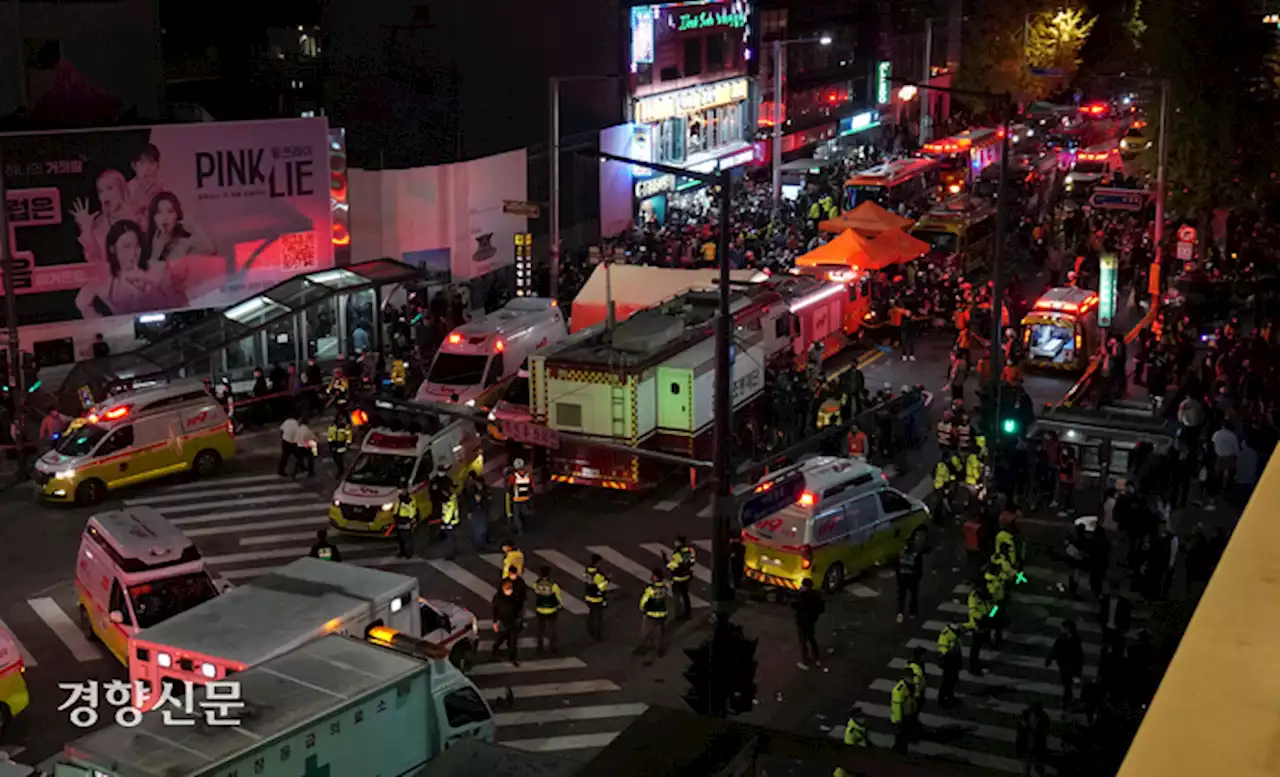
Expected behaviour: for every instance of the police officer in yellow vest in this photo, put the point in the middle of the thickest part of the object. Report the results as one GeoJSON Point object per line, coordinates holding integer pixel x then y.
{"type": "Point", "coordinates": [948, 469]}
{"type": "Point", "coordinates": [980, 606]}
{"type": "Point", "coordinates": [547, 603]}
{"type": "Point", "coordinates": [398, 375]}
{"type": "Point", "coordinates": [972, 469]}
{"type": "Point", "coordinates": [901, 699]}
{"type": "Point", "coordinates": [596, 587]}
{"type": "Point", "coordinates": [681, 566]}
{"type": "Point", "coordinates": [855, 734]}
{"type": "Point", "coordinates": [653, 605]}
{"type": "Point", "coordinates": [444, 489]}
{"type": "Point", "coordinates": [339, 436]}
{"type": "Point", "coordinates": [950, 659]}
{"type": "Point", "coordinates": [339, 390]}
{"type": "Point", "coordinates": [994, 578]}
{"type": "Point", "coordinates": [519, 494]}
{"type": "Point", "coordinates": [406, 518]}
{"type": "Point", "coordinates": [1007, 544]}
{"type": "Point", "coordinates": [918, 685]}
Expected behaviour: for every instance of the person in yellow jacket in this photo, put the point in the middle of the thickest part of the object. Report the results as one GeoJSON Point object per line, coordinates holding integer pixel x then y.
{"type": "Point", "coordinates": [406, 519]}
{"type": "Point", "coordinates": [855, 734]}
{"type": "Point", "coordinates": [512, 558]}
{"type": "Point", "coordinates": [653, 606]}
{"type": "Point", "coordinates": [339, 437]}
{"type": "Point", "coordinates": [399, 374]}
{"type": "Point", "coordinates": [547, 603]}
{"type": "Point", "coordinates": [972, 470]}
{"type": "Point", "coordinates": [980, 607]}
{"type": "Point", "coordinates": [681, 567]}
{"type": "Point", "coordinates": [339, 390]}
{"type": "Point", "coordinates": [597, 585]}
{"type": "Point", "coordinates": [1007, 544]}
{"type": "Point", "coordinates": [946, 472]}
{"type": "Point", "coordinates": [918, 685]}
{"type": "Point", "coordinates": [950, 659]}
{"type": "Point", "coordinates": [901, 701]}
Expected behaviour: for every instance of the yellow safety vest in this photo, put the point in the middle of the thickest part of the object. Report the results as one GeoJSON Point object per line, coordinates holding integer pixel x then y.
{"type": "Point", "coordinates": [407, 509]}
{"type": "Point", "coordinates": [339, 437]}
{"type": "Point", "coordinates": [514, 558]}
{"type": "Point", "coordinates": [653, 602]}
{"type": "Point", "coordinates": [995, 586]}
{"type": "Point", "coordinates": [397, 372]}
{"type": "Point", "coordinates": [855, 735]}
{"type": "Point", "coordinates": [597, 584]}
{"type": "Point", "coordinates": [521, 486]}
{"type": "Point", "coordinates": [979, 606]}
{"type": "Point", "coordinates": [1006, 544]}
{"type": "Point", "coordinates": [681, 565]}
{"type": "Point", "coordinates": [917, 683]}
{"type": "Point", "coordinates": [972, 470]}
{"type": "Point", "coordinates": [546, 597]}
{"type": "Point", "coordinates": [947, 640]}
{"type": "Point", "coordinates": [901, 702]}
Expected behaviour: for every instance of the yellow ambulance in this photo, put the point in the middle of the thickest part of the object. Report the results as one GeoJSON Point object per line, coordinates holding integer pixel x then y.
{"type": "Point", "coordinates": [135, 437]}
{"type": "Point", "coordinates": [13, 686]}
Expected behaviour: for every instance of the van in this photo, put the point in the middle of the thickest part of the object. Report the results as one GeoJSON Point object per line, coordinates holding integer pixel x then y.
{"type": "Point", "coordinates": [479, 355]}
{"type": "Point", "coordinates": [14, 697]}
{"type": "Point", "coordinates": [134, 570]}
{"type": "Point", "coordinates": [390, 461]}
{"type": "Point", "coordinates": [135, 437]}
{"type": "Point", "coordinates": [1093, 166]}
{"type": "Point", "coordinates": [826, 519]}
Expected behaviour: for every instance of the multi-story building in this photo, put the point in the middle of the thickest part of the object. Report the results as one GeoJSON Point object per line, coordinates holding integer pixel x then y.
{"type": "Point", "coordinates": [80, 62]}
{"type": "Point", "coordinates": [917, 26]}
{"type": "Point", "coordinates": [830, 71]}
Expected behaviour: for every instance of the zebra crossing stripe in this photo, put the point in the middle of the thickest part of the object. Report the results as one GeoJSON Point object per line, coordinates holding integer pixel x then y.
{"type": "Point", "coordinates": [995, 763]}
{"type": "Point", "coordinates": [213, 493]}
{"type": "Point", "coordinates": [569, 714]}
{"type": "Point", "coordinates": [1039, 640]}
{"type": "Point", "coordinates": [997, 657]}
{"type": "Point", "coordinates": [986, 703]}
{"type": "Point", "coordinates": [197, 485]}
{"type": "Point", "coordinates": [68, 632]}
{"type": "Point", "coordinates": [571, 603]}
{"type": "Point", "coordinates": [544, 690]}
{"type": "Point", "coordinates": [315, 522]}
{"type": "Point", "coordinates": [318, 509]}
{"type": "Point", "coordinates": [699, 571]}
{"type": "Point", "coordinates": [992, 680]}
{"type": "Point", "coordinates": [1053, 601]}
{"type": "Point", "coordinates": [259, 501]}
{"type": "Point", "coordinates": [1085, 627]}
{"type": "Point", "coordinates": [980, 730]}
{"type": "Point", "coordinates": [567, 565]}
{"type": "Point", "coordinates": [27, 659]}
{"type": "Point", "coordinates": [525, 667]}
{"type": "Point", "coordinates": [464, 578]}
{"type": "Point", "coordinates": [557, 744]}
{"type": "Point", "coordinates": [704, 544]}
{"type": "Point", "coordinates": [635, 570]}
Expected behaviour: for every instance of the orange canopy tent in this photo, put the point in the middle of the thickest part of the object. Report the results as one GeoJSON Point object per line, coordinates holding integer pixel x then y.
{"type": "Point", "coordinates": [847, 249]}
{"type": "Point", "coordinates": [894, 245]}
{"type": "Point", "coordinates": [868, 220]}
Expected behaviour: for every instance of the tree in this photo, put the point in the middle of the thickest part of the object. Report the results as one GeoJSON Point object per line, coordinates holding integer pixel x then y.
{"type": "Point", "coordinates": [1005, 39]}
{"type": "Point", "coordinates": [1219, 60]}
{"type": "Point", "coordinates": [1054, 40]}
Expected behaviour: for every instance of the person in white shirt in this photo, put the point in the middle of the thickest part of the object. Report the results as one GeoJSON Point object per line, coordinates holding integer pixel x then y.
{"type": "Point", "coordinates": [288, 444]}
{"type": "Point", "coordinates": [1226, 449]}
{"type": "Point", "coordinates": [304, 448]}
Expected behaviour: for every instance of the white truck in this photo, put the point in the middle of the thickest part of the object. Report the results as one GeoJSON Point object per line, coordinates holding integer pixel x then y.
{"type": "Point", "coordinates": [278, 612]}
{"type": "Point", "coordinates": [336, 706]}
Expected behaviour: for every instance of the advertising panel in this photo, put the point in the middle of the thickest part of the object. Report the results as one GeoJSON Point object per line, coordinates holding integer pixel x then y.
{"type": "Point", "coordinates": [616, 180]}
{"type": "Point", "coordinates": [123, 221]}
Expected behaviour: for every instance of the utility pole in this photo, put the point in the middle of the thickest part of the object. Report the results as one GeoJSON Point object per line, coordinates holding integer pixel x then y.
{"type": "Point", "coordinates": [778, 51]}
{"type": "Point", "coordinates": [1162, 156]}
{"type": "Point", "coordinates": [17, 388]}
{"type": "Point", "coordinates": [722, 594]}
{"type": "Point", "coordinates": [997, 262]}
{"type": "Point", "coordinates": [926, 116]}
{"type": "Point", "coordinates": [554, 153]}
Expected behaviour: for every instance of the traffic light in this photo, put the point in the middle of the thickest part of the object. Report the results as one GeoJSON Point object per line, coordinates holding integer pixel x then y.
{"type": "Point", "coordinates": [1009, 426]}
{"type": "Point", "coordinates": [736, 658]}
{"type": "Point", "coordinates": [698, 697]}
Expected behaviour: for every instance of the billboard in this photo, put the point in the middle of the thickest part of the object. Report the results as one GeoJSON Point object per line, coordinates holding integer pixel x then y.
{"type": "Point", "coordinates": [124, 221]}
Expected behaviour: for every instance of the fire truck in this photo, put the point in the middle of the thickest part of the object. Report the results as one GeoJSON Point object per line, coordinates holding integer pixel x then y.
{"type": "Point", "coordinates": [649, 382]}
{"type": "Point", "coordinates": [963, 157]}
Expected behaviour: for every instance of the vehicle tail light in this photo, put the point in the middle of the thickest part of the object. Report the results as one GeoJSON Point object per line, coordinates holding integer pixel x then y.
{"type": "Point", "coordinates": [499, 346]}
{"type": "Point", "coordinates": [806, 557]}
{"type": "Point", "coordinates": [231, 428]}
{"type": "Point", "coordinates": [807, 499]}
{"type": "Point", "coordinates": [455, 338]}
{"type": "Point", "coordinates": [1079, 344]}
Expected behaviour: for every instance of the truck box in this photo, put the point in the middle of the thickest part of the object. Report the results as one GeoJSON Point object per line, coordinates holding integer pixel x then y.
{"type": "Point", "coordinates": [275, 613]}
{"type": "Point", "coordinates": [337, 706]}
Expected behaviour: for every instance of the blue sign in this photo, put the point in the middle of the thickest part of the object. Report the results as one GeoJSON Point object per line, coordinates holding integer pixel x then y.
{"type": "Point", "coordinates": [1119, 199]}
{"type": "Point", "coordinates": [859, 122]}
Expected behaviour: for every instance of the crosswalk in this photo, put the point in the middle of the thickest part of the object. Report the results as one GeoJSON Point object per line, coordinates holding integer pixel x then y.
{"type": "Point", "coordinates": [982, 729]}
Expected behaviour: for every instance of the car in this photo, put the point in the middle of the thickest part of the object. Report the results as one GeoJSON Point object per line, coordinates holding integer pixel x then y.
{"type": "Point", "coordinates": [1134, 142]}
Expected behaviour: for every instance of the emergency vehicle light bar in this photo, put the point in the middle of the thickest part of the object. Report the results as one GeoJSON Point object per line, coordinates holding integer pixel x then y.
{"type": "Point", "coordinates": [817, 297]}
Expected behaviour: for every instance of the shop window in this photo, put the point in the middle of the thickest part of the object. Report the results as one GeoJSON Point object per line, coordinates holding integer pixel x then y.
{"type": "Point", "coordinates": [715, 53]}
{"type": "Point", "coordinates": [693, 57]}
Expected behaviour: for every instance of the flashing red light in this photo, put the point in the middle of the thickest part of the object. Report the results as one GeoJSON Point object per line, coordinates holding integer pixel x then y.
{"type": "Point", "coordinates": [764, 487]}
{"type": "Point", "coordinates": [455, 338]}
{"type": "Point", "coordinates": [93, 419]}
{"type": "Point", "coordinates": [115, 414]}
{"type": "Point", "coordinates": [499, 346]}
{"type": "Point", "coordinates": [999, 132]}
{"type": "Point", "coordinates": [806, 557]}
{"type": "Point", "coordinates": [341, 237]}
{"type": "Point", "coordinates": [359, 418]}
{"type": "Point", "coordinates": [807, 499]}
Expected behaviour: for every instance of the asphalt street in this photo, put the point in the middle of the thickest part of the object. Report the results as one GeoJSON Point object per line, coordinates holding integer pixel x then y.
{"type": "Point", "coordinates": [247, 521]}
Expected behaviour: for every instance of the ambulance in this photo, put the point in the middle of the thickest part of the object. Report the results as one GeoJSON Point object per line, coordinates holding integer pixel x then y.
{"type": "Point", "coordinates": [1093, 166]}
{"type": "Point", "coordinates": [134, 570]}
{"type": "Point", "coordinates": [1061, 329]}
{"type": "Point", "coordinates": [390, 461]}
{"type": "Point", "coordinates": [135, 437]}
{"type": "Point", "coordinates": [480, 355]}
{"type": "Point", "coordinates": [13, 685]}
{"type": "Point", "coordinates": [826, 519]}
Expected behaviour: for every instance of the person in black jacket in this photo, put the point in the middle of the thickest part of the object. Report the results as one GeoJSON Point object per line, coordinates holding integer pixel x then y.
{"type": "Point", "coordinates": [1033, 738]}
{"type": "Point", "coordinates": [1068, 653]}
{"type": "Point", "coordinates": [910, 570]}
{"type": "Point", "coordinates": [508, 619]}
{"type": "Point", "coordinates": [808, 606]}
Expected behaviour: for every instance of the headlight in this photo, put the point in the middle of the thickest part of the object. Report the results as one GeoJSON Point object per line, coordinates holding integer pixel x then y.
{"type": "Point", "coordinates": [336, 503]}
{"type": "Point", "coordinates": [65, 474]}
{"type": "Point", "coordinates": [493, 416]}
{"type": "Point", "coordinates": [164, 660]}
{"type": "Point", "coordinates": [208, 670]}
{"type": "Point", "coordinates": [388, 506]}
{"type": "Point", "coordinates": [470, 403]}
{"type": "Point", "coordinates": [1070, 179]}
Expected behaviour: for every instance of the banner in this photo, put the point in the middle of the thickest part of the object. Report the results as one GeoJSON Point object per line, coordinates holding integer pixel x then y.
{"type": "Point", "coordinates": [125, 221]}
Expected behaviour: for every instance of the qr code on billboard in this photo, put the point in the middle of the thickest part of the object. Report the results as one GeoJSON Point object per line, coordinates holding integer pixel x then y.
{"type": "Point", "coordinates": [298, 250]}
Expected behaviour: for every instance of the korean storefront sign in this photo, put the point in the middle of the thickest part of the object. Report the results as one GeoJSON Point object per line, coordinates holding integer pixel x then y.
{"type": "Point", "coordinates": [1106, 289]}
{"type": "Point", "coordinates": [524, 264]}
{"type": "Point", "coordinates": [709, 19]}
{"type": "Point", "coordinates": [653, 109]}
{"type": "Point", "coordinates": [651, 187]}
{"type": "Point", "coordinates": [883, 96]}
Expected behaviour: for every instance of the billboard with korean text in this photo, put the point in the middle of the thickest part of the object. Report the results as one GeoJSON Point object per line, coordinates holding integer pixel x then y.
{"type": "Point", "coordinates": [125, 221]}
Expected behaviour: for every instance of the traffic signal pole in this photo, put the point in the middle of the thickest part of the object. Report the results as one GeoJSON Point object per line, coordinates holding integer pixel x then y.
{"type": "Point", "coordinates": [722, 593]}
{"type": "Point", "coordinates": [996, 358]}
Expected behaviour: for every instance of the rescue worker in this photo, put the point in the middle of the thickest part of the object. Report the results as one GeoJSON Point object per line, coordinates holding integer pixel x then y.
{"type": "Point", "coordinates": [398, 376]}
{"type": "Point", "coordinates": [512, 558]}
{"type": "Point", "coordinates": [918, 687]}
{"type": "Point", "coordinates": [946, 432]}
{"type": "Point", "coordinates": [856, 443]}
{"type": "Point", "coordinates": [993, 579]}
{"type": "Point", "coordinates": [339, 390]}
{"type": "Point", "coordinates": [406, 517]}
{"type": "Point", "coordinates": [681, 566]}
{"type": "Point", "coordinates": [596, 587]}
{"type": "Point", "coordinates": [444, 497]}
{"type": "Point", "coordinates": [855, 734]}
{"type": "Point", "coordinates": [323, 549]}
{"type": "Point", "coordinates": [1007, 543]}
{"type": "Point", "coordinates": [980, 607]}
{"type": "Point", "coordinates": [950, 659]}
{"type": "Point", "coordinates": [449, 514]}
{"type": "Point", "coordinates": [653, 606]}
{"type": "Point", "coordinates": [900, 713]}
{"type": "Point", "coordinates": [339, 437]}
{"type": "Point", "coordinates": [519, 494]}
{"type": "Point", "coordinates": [972, 469]}
{"type": "Point", "coordinates": [547, 603]}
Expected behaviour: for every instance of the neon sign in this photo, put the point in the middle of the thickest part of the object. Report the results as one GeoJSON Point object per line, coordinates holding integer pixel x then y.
{"type": "Point", "coordinates": [882, 82]}
{"type": "Point", "coordinates": [707, 19]}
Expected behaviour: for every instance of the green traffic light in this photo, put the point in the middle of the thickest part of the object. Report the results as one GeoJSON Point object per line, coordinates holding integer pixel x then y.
{"type": "Point", "coordinates": [1009, 426]}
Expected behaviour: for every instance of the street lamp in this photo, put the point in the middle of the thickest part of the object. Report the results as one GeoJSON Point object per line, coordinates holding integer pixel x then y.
{"type": "Point", "coordinates": [778, 66]}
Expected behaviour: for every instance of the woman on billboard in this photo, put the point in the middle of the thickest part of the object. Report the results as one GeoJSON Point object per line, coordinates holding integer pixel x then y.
{"type": "Point", "coordinates": [113, 194]}
{"type": "Point", "coordinates": [173, 236]}
{"type": "Point", "coordinates": [135, 285]}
